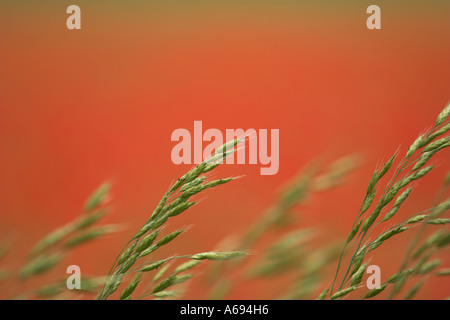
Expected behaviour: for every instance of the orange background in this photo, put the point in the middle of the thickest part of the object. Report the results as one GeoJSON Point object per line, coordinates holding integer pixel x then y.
{"type": "Point", "coordinates": [81, 107]}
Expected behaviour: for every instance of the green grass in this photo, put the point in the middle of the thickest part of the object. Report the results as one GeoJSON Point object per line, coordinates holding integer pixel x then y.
{"type": "Point", "coordinates": [280, 246]}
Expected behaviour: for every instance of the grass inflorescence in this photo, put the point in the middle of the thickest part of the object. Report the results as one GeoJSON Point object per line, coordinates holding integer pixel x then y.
{"type": "Point", "coordinates": [380, 206]}
{"type": "Point", "coordinates": [282, 247]}
{"type": "Point", "coordinates": [51, 250]}
{"type": "Point", "coordinates": [147, 239]}
{"type": "Point", "coordinates": [286, 249]}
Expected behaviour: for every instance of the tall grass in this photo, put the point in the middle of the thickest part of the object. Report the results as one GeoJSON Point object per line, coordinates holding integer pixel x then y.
{"type": "Point", "coordinates": [413, 167]}
{"type": "Point", "coordinates": [136, 275]}
{"type": "Point", "coordinates": [51, 250]}
{"type": "Point", "coordinates": [174, 202]}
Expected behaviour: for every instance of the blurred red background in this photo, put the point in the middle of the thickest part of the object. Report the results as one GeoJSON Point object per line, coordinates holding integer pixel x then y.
{"type": "Point", "coordinates": [81, 107]}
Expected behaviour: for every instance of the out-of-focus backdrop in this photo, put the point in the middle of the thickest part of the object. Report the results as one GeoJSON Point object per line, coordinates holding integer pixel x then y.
{"type": "Point", "coordinates": [78, 107]}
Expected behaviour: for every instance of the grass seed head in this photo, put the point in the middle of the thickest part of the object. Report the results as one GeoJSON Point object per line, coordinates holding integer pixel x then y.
{"type": "Point", "coordinates": [147, 241]}
{"type": "Point", "coordinates": [187, 266]}
{"type": "Point", "coordinates": [323, 294]}
{"type": "Point", "coordinates": [354, 231]}
{"type": "Point", "coordinates": [367, 202]}
{"type": "Point", "coordinates": [153, 266]}
{"type": "Point", "coordinates": [402, 197]}
{"type": "Point", "coordinates": [169, 238]}
{"type": "Point", "coordinates": [358, 275]}
{"type": "Point", "coordinates": [40, 265]}
{"type": "Point", "coordinates": [342, 293]}
{"type": "Point", "coordinates": [164, 284]}
{"type": "Point", "coordinates": [372, 182]}
{"type": "Point", "coordinates": [411, 293]}
{"type": "Point", "coordinates": [390, 213]}
{"type": "Point", "coordinates": [415, 145]}
{"type": "Point", "coordinates": [161, 272]}
{"type": "Point", "coordinates": [442, 117]}
{"type": "Point", "coordinates": [417, 218]}
{"type": "Point", "coordinates": [372, 293]}
{"type": "Point", "coordinates": [399, 275]}
{"type": "Point", "coordinates": [387, 166]}
{"type": "Point", "coordinates": [98, 197]}
{"type": "Point", "coordinates": [428, 267]}
{"type": "Point", "coordinates": [437, 144]}
{"type": "Point", "coordinates": [218, 255]}
{"type": "Point", "coordinates": [126, 293]}
{"type": "Point", "coordinates": [438, 221]}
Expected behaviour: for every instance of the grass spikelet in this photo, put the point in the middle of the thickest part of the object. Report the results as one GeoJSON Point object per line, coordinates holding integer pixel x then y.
{"type": "Point", "coordinates": [181, 208]}
{"type": "Point", "coordinates": [386, 167]}
{"type": "Point", "coordinates": [415, 145]}
{"type": "Point", "coordinates": [50, 290]}
{"type": "Point", "coordinates": [186, 266]}
{"type": "Point", "coordinates": [149, 250]}
{"type": "Point", "coordinates": [218, 255]}
{"type": "Point", "coordinates": [161, 272]}
{"type": "Point", "coordinates": [128, 263]}
{"type": "Point", "coordinates": [443, 272]}
{"type": "Point", "coordinates": [372, 293]}
{"type": "Point", "coordinates": [51, 240]}
{"type": "Point", "coordinates": [165, 294]}
{"type": "Point", "coordinates": [169, 238]}
{"type": "Point", "coordinates": [385, 236]}
{"type": "Point", "coordinates": [182, 278]}
{"type": "Point", "coordinates": [218, 182]}
{"type": "Point", "coordinates": [417, 218]}
{"type": "Point", "coordinates": [126, 293]}
{"type": "Point", "coordinates": [98, 197]}
{"type": "Point", "coordinates": [411, 293]}
{"type": "Point", "coordinates": [166, 283]}
{"type": "Point", "coordinates": [117, 282]}
{"type": "Point", "coordinates": [447, 180]}
{"type": "Point", "coordinates": [40, 265]}
{"type": "Point", "coordinates": [373, 180]}
{"type": "Point", "coordinates": [367, 202]}
{"type": "Point", "coordinates": [153, 266]}
{"type": "Point", "coordinates": [432, 240]}
{"type": "Point", "coordinates": [146, 241]}
{"type": "Point", "coordinates": [390, 213]}
{"type": "Point", "coordinates": [89, 219]}
{"type": "Point", "coordinates": [89, 235]}
{"type": "Point", "coordinates": [444, 241]}
{"type": "Point", "coordinates": [428, 267]}
{"type": "Point", "coordinates": [88, 285]}
{"type": "Point", "coordinates": [442, 207]}
{"type": "Point", "coordinates": [438, 221]}
{"type": "Point", "coordinates": [436, 144]}
{"type": "Point", "coordinates": [323, 294]}
{"type": "Point", "coordinates": [335, 172]}
{"type": "Point", "coordinates": [358, 260]}
{"type": "Point", "coordinates": [354, 231]}
{"type": "Point", "coordinates": [358, 275]}
{"type": "Point", "coordinates": [193, 183]}
{"type": "Point", "coordinates": [445, 113]}
{"type": "Point", "coordinates": [417, 175]}
{"type": "Point", "coordinates": [371, 219]}
{"type": "Point", "coordinates": [400, 275]}
{"type": "Point", "coordinates": [402, 197]}
{"type": "Point", "coordinates": [342, 293]}
{"type": "Point", "coordinates": [424, 159]}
